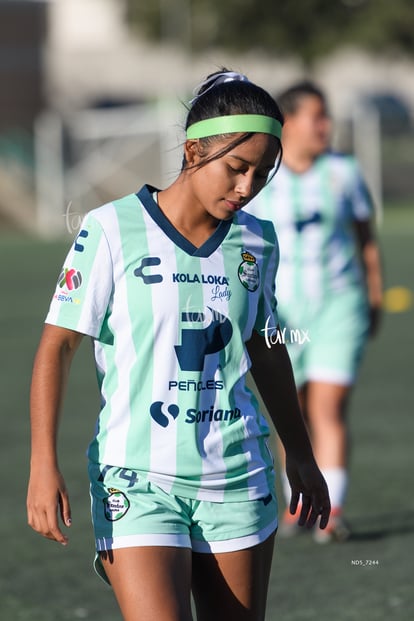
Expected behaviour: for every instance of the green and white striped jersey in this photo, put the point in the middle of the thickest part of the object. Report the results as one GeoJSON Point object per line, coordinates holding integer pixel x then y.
{"type": "Point", "coordinates": [169, 323]}
{"type": "Point", "coordinates": [314, 214]}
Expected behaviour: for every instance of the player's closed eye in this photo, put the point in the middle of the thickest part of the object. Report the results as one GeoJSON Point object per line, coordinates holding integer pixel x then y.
{"type": "Point", "coordinates": [262, 175]}
{"type": "Point", "coordinates": [237, 171]}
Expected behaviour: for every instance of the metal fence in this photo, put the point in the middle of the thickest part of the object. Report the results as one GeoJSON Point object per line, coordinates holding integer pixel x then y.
{"type": "Point", "coordinates": [93, 156]}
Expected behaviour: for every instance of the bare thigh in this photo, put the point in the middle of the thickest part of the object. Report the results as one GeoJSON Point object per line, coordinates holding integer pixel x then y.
{"type": "Point", "coordinates": [232, 585]}
{"type": "Point", "coordinates": [326, 411]}
{"type": "Point", "coordinates": [151, 582]}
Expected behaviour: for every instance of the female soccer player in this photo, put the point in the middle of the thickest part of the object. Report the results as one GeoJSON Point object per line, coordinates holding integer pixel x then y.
{"type": "Point", "coordinates": [329, 283]}
{"type": "Point", "coordinates": [175, 287]}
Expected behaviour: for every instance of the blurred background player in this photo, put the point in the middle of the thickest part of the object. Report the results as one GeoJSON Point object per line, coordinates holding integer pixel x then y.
{"type": "Point", "coordinates": [329, 284]}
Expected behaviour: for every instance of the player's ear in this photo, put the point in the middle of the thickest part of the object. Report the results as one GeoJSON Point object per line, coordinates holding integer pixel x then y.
{"type": "Point", "coordinates": [192, 152]}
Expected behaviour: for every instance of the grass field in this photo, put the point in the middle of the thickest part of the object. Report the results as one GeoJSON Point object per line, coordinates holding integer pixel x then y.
{"type": "Point", "coordinates": [41, 581]}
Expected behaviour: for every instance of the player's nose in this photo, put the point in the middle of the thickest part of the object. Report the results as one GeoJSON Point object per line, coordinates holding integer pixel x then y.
{"type": "Point", "coordinates": [244, 187]}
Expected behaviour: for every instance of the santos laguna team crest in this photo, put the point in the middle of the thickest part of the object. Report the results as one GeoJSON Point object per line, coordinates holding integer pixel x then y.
{"type": "Point", "coordinates": [249, 272]}
{"type": "Point", "coordinates": [116, 505]}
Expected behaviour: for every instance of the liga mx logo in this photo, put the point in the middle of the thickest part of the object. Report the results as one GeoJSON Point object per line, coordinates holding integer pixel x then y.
{"type": "Point", "coordinates": [70, 279]}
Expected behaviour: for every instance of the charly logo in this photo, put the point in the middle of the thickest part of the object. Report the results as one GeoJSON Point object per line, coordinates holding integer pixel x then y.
{"type": "Point", "coordinates": [116, 505]}
{"type": "Point", "coordinates": [315, 218]}
{"type": "Point", "coordinates": [70, 278]}
{"type": "Point", "coordinates": [79, 247]}
{"type": "Point", "coordinates": [248, 272]}
{"type": "Point", "coordinates": [148, 278]}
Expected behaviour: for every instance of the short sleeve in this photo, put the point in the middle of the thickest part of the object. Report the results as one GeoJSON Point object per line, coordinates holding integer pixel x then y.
{"type": "Point", "coordinates": [267, 317]}
{"type": "Point", "coordinates": [84, 288]}
{"type": "Point", "coordinates": [359, 195]}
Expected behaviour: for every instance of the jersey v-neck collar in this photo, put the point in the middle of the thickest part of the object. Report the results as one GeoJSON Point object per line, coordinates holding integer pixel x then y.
{"type": "Point", "coordinates": [205, 250]}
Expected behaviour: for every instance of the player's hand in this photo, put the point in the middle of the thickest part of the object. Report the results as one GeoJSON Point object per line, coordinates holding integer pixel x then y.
{"type": "Point", "coordinates": [374, 320]}
{"type": "Point", "coordinates": [47, 500]}
{"type": "Point", "coordinates": [306, 481]}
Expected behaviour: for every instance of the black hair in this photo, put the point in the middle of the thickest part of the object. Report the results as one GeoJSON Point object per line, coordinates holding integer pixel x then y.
{"type": "Point", "coordinates": [291, 98]}
{"type": "Point", "coordinates": [227, 98]}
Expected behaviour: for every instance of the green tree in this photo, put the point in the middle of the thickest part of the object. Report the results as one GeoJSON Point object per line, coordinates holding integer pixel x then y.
{"type": "Point", "coordinates": [305, 28]}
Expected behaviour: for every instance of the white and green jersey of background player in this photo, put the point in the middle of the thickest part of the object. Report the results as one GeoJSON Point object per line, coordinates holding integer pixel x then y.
{"type": "Point", "coordinates": [314, 216]}
{"type": "Point", "coordinates": [169, 323]}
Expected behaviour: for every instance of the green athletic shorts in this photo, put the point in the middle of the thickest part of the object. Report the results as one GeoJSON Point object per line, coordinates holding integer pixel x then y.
{"type": "Point", "coordinates": [326, 341]}
{"type": "Point", "coordinates": [129, 511]}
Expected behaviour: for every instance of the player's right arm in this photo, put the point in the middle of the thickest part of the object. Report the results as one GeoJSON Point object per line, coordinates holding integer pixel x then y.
{"type": "Point", "coordinates": [47, 497]}
{"type": "Point", "coordinates": [362, 212]}
{"type": "Point", "coordinates": [371, 260]}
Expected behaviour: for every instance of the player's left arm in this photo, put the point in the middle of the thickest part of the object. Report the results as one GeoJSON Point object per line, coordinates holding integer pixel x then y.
{"type": "Point", "coordinates": [371, 260]}
{"type": "Point", "coordinates": [273, 375]}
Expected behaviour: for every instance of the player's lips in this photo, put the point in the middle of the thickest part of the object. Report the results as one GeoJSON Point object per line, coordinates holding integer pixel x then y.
{"type": "Point", "coordinates": [233, 205]}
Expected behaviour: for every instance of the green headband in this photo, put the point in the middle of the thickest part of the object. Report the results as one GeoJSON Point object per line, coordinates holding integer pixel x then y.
{"type": "Point", "coordinates": [235, 123]}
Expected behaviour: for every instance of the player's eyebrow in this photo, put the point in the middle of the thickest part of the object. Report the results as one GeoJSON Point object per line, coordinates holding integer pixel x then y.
{"type": "Point", "coordinates": [241, 159]}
